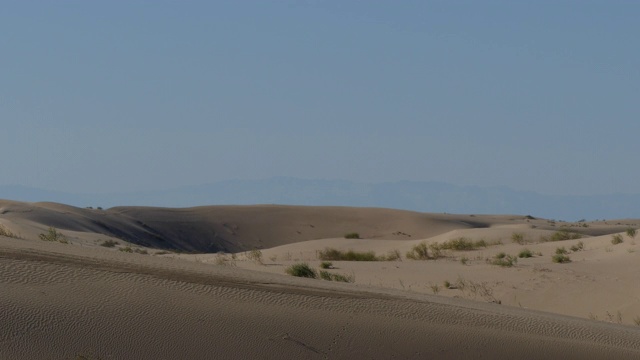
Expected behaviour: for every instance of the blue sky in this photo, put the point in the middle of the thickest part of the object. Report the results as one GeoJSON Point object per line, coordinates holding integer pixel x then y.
{"type": "Point", "coordinates": [131, 95]}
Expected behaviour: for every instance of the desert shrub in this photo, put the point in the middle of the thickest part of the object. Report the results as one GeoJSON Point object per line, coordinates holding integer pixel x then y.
{"type": "Point", "coordinates": [577, 247]}
{"type": "Point", "coordinates": [325, 275]}
{"type": "Point", "coordinates": [393, 255]}
{"type": "Point", "coordinates": [255, 255]}
{"type": "Point", "coordinates": [419, 252]}
{"type": "Point", "coordinates": [504, 260]}
{"type": "Point", "coordinates": [326, 265]}
{"type": "Point", "coordinates": [560, 258]}
{"type": "Point", "coordinates": [301, 270]}
{"type": "Point", "coordinates": [435, 288]}
{"type": "Point", "coordinates": [447, 284]}
{"type": "Point", "coordinates": [525, 253]}
{"type": "Point", "coordinates": [4, 231]}
{"type": "Point", "coordinates": [561, 251]}
{"type": "Point", "coordinates": [141, 251]}
{"type": "Point", "coordinates": [109, 243]}
{"type": "Point", "coordinates": [126, 249]}
{"type": "Point", "coordinates": [352, 235]}
{"type": "Point", "coordinates": [616, 239]}
{"type": "Point", "coordinates": [337, 255]}
{"type": "Point", "coordinates": [462, 243]}
{"type": "Point", "coordinates": [563, 235]}
{"type": "Point", "coordinates": [54, 235]}
{"type": "Point", "coordinates": [631, 232]}
{"type": "Point", "coordinates": [464, 260]}
{"type": "Point", "coordinates": [518, 238]}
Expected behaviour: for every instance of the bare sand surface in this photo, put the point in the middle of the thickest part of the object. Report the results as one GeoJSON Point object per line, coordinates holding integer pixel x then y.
{"type": "Point", "coordinates": [81, 300]}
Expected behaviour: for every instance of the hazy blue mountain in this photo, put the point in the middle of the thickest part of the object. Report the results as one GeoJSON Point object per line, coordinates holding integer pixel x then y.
{"type": "Point", "coordinates": [408, 195]}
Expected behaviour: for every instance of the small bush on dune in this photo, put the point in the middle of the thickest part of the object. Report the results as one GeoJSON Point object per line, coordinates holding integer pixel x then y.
{"type": "Point", "coordinates": [631, 232]}
{"type": "Point", "coordinates": [504, 260]}
{"type": "Point", "coordinates": [4, 231]}
{"type": "Point", "coordinates": [54, 235]}
{"type": "Point", "coordinates": [126, 249]}
{"type": "Point", "coordinates": [419, 252]}
{"type": "Point", "coordinates": [616, 239]}
{"type": "Point", "coordinates": [525, 253]}
{"type": "Point", "coordinates": [562, 235]}
{"type": "Point", "coordinates": [325, 275]}
{"type": "Point", "coordinates": [337, 255]}
{"type": "Point", "coordinates": [255, 255]}
{"type": "Point", "coordinates": [326, 265]}
{"type": "Point", "coordinates": [301, 270]}
{"type": "Point", "coordinates": [518, 238]}
{"type": "Point", "coordinates": [560, 258]}
{"type": "Point", "coordinates": [109, 243]}
{"type": "Point", "coordinates": [577, 247]}
{"type": "Point", "coordinates": [393, 255]}
{"type": "Point", "coordinates": [352, 235]}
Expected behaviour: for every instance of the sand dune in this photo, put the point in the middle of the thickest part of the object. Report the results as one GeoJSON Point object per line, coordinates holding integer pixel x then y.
{"type": "Point", "coordinates": [82, 300]}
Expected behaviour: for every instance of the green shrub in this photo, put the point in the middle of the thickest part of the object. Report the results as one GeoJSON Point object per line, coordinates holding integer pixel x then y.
{"type": "Point", "coordinates": [4, 231]}
{"type": "Point", "coordinates": [464, 260]}
{"type": "Point", "coordinates": [561, 251]}
{"type": "Point", "coordinates": [342, 278]}
{"type": "Point", "coordinates": [631, 232]}
{"type": "Point", "coordinates": [616, 239]}
{"type": "Point", "coordinates": [393, 255]}
{"type": "Point", "coordinates": [525, 253]}
{"type": "Point", "coordinates": [126, 249]}
{"type": "Point", "coordinates": [337, 255]}
{"type": "Point", "coordinates": [326, 265]}
{"type": "Point", "coordinates": [352, 235]}
{"type": "Point", "coordinates": [325, 275]}
{"type": "Point", "coordinates": [54, 235]}
{"type": "Point", "coordinates": [109, 243]}
{"type": "Point", "coordinates": [301, 270]}
{"type": "Point", "coordinates": [141, 251]}
{"type": "Point", "coordinates": [419, 252]}
{"type": "Point", "coordinates": [504, 260]}
{"type": "Point", "coordinates": [577, 247]}
{"type": "Point", "coordinates": [518, 238]}
{"type": "Point", "coordinates": [255, 255]}
{"type": "Point", "coordinates": [560, 258]}
{"type": "Point", "coordinates": [563, 235]}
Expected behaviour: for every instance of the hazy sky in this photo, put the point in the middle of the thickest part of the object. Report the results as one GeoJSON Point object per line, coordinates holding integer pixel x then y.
{"type": "Point", "coordinates": [101, 96]}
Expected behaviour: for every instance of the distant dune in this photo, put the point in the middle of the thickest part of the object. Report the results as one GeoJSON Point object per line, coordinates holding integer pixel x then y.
{"type": "Point", "coordinates": [113, 291]}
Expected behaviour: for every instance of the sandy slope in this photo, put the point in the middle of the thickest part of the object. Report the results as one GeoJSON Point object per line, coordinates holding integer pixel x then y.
{"type": "Point", "coordinates": [62, 301]}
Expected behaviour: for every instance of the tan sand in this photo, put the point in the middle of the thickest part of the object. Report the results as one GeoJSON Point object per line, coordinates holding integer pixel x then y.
{"type": "Point", "coordinates": [65, 301]}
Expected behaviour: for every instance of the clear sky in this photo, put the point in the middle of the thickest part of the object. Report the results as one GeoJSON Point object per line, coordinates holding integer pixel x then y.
{"type": "Point", "coordinates": [102, 96]}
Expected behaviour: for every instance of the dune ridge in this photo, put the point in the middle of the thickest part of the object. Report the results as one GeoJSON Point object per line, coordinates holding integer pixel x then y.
{"type": "Point", "coordinates": [86, 301]}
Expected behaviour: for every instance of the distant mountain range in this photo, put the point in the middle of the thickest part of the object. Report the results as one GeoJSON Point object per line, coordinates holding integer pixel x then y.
{"type": "Point", "coordinates": [407, 195]}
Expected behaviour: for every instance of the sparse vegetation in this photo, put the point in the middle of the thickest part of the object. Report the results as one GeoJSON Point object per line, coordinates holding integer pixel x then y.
{"type": "Point", "coordinates": [435, 288]}
{"type": "Point", "coordinates": [326, 265]}
{"type": "Point", "coordinates": [577, 247]}
{"type": "Point", "coordinates": [560, 258]}
{"type": "Point", "coordinates": [301, 270]}
{"type": "Point", "coordinates": [419, 252]}
{"type": "Point", "coordinates": [54, 235]}
{"type": "Point", "coordinates": [447, 284]}
{"type": "Point", "coordinates": [325, 275]}
{"type": "Point", "coordinates": [4, 231]}
{"type": "Point", "coordinates": [562, 235]}
{"type": "Point", "coordinates": [255, 255]}
{"type": "Point", "coordinates": [337, 255]}
{"type": "Point", "coordinates": [504, 260]}
{"type": "Point", "coordinates": [525, 253]}
{"type": "Point", "coordinates": [464, 260]}
{"type": "Point", "coordinates": [561, 251]}
{"type": "Point", "coordinates": [126, 249]}
{"type": "Point", "coordinates": [631, 232]}
{"type": "Point", "coordinates": [462, 243]}
{"type": "Point", "coordinates": [518, 238]}
{"type": "Point", "coordinates": [352, 235]}
{"type": "Point", "coordinates": [141, 251]}
{"type": "Point", "coordinates": [109, 243]}
{"type": "Point", "coordinates": [616, 239]}
{"type": "Point", "coordinates": [393, 255]}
